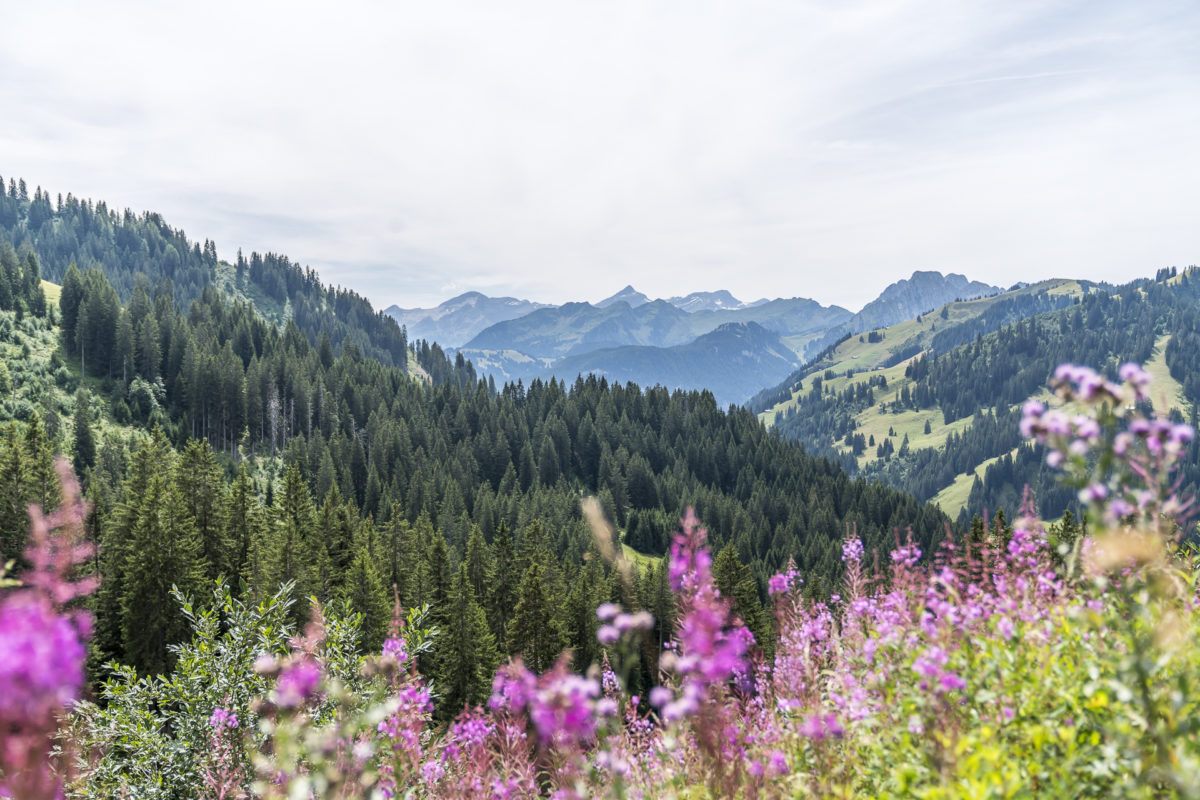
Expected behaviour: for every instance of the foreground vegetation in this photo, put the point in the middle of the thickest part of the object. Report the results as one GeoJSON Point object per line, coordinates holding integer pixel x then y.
{"type": "Point", "coordinates": [1012, 665]}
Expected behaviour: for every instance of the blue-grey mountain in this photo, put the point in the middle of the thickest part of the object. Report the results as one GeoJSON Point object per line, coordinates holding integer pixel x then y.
{"type": "Point", "coordinates": [455, 321]}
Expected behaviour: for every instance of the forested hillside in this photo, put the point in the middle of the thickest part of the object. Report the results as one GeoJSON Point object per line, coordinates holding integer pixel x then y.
{"type": "Point", "coordinates": [216, 443]}
{"type": "Point", "coordinates": [938, 416]}
{"type": "Point", "coordinates": [135, 251]}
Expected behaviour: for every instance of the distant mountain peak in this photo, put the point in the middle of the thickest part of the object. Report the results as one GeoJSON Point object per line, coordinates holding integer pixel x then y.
{"type": "Point", "coordinates": [720, 300]}
{"type": "Point", "coordinates": [628, 295]}
{"type": "Point", "coordinates": [924, 291]}
{"type": "Point", "coordinates": [455, 321]}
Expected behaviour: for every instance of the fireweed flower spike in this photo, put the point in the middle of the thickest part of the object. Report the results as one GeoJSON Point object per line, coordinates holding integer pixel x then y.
{"type": "Point", "coordinates": [42, 651]}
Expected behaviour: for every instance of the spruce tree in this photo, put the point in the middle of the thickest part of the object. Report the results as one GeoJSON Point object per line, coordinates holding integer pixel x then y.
{"type": "Point", "coordinates": [536, 631]}
{"type": "Point", "coordinates": [14, 493]}
{"type": "Point", "coordinates": [465, 654]}
{"type": "Point", "coordinates": [736, 584]}
{"type": "Point", "coordinates": [480, 568]}
{"type": "Point", "coordinates": [502, 598]}
{"type": "Point", "coordinates": [43, 477]}
{"type": "Point", "coordinates": [85, 441]}
{"type": "Point", "coordinates": [363, 590]}
{"type": "Point", "coordinates": [298, 553]}
{"type": "Point", "coordinates": [201, 485]}
{"type": "Point", "coordinates": [163, 553]}
{"type": "Point", "coordinates": [242, 521]}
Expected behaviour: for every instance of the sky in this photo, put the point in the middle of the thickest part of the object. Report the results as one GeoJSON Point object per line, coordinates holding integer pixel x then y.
{"type": "Point", "coordinates": [561, 150]}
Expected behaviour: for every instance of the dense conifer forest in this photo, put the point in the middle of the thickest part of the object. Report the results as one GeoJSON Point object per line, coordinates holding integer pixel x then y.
{"type": "Point", "coordinates": [215, 444]}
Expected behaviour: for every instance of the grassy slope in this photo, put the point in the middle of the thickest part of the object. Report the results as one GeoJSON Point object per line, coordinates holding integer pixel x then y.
{"type": "Point", "coordinates": [1165, 392]}
{"type": "Point", "coordinates": [955, 496]}
{"type": "Point", "coordinates": [864, 357]}
{"type": "Point", "coordinates": [642, 561]}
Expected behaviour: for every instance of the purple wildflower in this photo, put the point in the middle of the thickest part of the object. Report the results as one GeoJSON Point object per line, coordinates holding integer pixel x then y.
{"type": "Point", "coordinates": [395, 648]}
{"type": "Point", "coordinates": [819, 727]}
{"type": "Point", "coordinates": [297, 683]}
{"type": "Point", "coordinates": [42, 668]}
{"type": "Point", "coordinates": [606, 611]}
{"type": "Point", "coordinates": [222, 718]}
{"type": "Point", "coordinates": [908, 555]}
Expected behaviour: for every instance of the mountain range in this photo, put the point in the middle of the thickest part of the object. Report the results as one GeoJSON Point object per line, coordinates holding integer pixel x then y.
{"type": "Point", "coordinates": [629, 337]}
{"type": "Point", "coordinates": [459, 318]}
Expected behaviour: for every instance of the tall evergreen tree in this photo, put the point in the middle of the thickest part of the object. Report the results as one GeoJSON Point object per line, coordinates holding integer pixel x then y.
{"type": "Point", "coordinates": [365, 593]}
{"type": "Point", "coordinates": [736, 583]}
{"type": "Point", "coordinates": [465, 654]}
{"type": "Point", "coordinates": [503, 594]}
{"type": "Point", "coordinates": [536, 631]}
{"type": "Point", "coordinates": [200, 483]}
{"type": "Point", "coordinates": [14, 494]}
{"type": "Point", "coordinates": [298, 553]}
{"type": "Point", "coordinates": [243, 520]}
{"type": "Point", "coordinates": [85, 441]}
{"type": "Point", "coordinates": [163, 553]}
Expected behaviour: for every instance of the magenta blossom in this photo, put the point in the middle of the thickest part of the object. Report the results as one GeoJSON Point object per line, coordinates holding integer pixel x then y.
{"type": "Point", "coordinates": [819, 727]}
{"type": "Point", "coordinates": [222, 718]}
{"type": "Point", "coordinates": [297, 683]}
{"type": "Point", "coordinates": [41, 671]}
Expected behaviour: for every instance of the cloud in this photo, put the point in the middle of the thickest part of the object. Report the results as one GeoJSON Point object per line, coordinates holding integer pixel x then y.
{"type": "Point", "coordinates": [559, 151]}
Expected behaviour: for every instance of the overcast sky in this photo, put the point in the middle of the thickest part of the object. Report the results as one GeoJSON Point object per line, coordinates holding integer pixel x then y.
{"type": "Point", "coordinates": [560, 150]}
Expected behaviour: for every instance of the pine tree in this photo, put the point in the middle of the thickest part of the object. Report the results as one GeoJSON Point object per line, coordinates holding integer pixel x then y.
{"type": "Point", "coordinates": [68, 302]}
{"type": "Point", "coordinates": [242, 520]}
{"type": "Point", "coordinates": [337, 521]}
{"type": "Point", "coordinates": [440, 568]}
{"type": "Point", "coordinates": [43, 477]}
{"type": "Point", "coordinates": [299, 553]}
{"type": "Point", "coordinates": [736, 583]}
{"type": "Point", "coordinates": [14, 494]}
{"type": "Point", "coordinates": [502, 598]}
{"type": "Point", "coordinates": [480, 568]}
{"type": "Point", "coordinates": [116, 542]}
{"type": "Point", "coordinates": [125, 353]}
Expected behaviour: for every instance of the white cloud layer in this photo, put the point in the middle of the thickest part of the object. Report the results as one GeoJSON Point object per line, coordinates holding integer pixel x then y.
{"type": "Point", "coordinates": [559, 150]}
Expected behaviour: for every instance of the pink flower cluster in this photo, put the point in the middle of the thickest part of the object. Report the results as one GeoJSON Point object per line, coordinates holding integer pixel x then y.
{"type": "Point", "coordinates": [710, 646]}
{"type": "Point", "coordinates": [785, 581]}
{"type": "Point", "coordinates": [560, 704]}
{"type": "Point", "coordinates": [42, 668]}
{"type": "Point", "coordinates": [222, 718]}
{"type": "Point", "coordinates": [617, 623]}
{"type": "Point", "coordinates": [298, 683]}
{"type": "Point", "coordinates": [1146, 450]}
{"type": "Point", "coordinates": [42, 644]}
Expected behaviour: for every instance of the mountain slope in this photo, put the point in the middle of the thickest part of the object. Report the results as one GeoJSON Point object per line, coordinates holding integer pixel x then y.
{"type": "Point", "coordinates": [144, 251]}
{"type": "Point", "coordinates": [924, 291]}
{"type": "Point", "coordinates": [903, 300]}
{"type": "Point", "coordinates": [457, 320]}
{"type": "Point", "coordinates": [926, 410]}
{"type": "Point", "coordinates": [576, 328]}
{"type": "Point", "coordinates": [582, 327]}
{"type": "Point", "coordinates": [729, 361]}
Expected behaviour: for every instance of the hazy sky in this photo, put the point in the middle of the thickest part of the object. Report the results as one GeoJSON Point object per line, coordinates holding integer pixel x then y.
{"type": "Point", "coordinates": [560, 150]}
